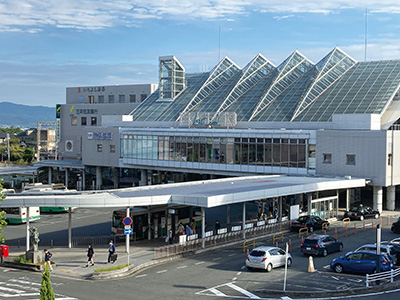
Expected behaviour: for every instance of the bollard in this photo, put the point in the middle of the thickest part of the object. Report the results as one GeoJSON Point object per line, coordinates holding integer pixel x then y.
{"type": "Point", "coordinates": [355, 229]}
{"type": "Point", "coordinates": [276, 244]}
{"type": "Point", "coordinates": [51, 243]}
{"type": "Point", "coordinates": [363, 225]}
{"type": "Point", "coordinates": [345, 231]}
{"type": "Point", "coordinates": [311, 268]}
{"type": "Point", "coordinates": [290, 246]}
{"type": "Point", "coordinates": [248, 252]}
{"type": "Point", "coordinates": [372, 224]}
{"type": "Point", "coordinates": [302, 240]}
{"type": "Point", "coordinates": [335, 233]}
{"type": "Point", "coordinates": [380, 222]}
{"type": "Point", "coordinates": [388, 220]}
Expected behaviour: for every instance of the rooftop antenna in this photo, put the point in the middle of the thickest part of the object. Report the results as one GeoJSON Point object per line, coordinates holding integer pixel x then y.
{"type": "Point", "coordinates": [366, 34]}
{"type": "Point", "coordinates": [219, 43]}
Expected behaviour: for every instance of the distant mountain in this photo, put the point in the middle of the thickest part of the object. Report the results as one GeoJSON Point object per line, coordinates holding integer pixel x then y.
{"type": "Point", "coordinates": [25, 116]}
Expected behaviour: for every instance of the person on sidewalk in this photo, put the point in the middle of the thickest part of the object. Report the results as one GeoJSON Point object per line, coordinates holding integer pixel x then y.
{"type": "Point", "coordinates": [90, 255]}
{"type": "Point", "coordinates": [193, 226]}
{"type": "Point", "coordinates": [111, 251]}
{"type": "Point", "coordinates": [47, 256]}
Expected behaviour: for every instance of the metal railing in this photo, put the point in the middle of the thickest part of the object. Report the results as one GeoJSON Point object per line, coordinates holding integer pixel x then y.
{"type": "Point", "coordinates": [219, 239]}
{"type": "Point", "coordinates": [93, 240]}
{"type": "Point", "coordinates": [388, 275]}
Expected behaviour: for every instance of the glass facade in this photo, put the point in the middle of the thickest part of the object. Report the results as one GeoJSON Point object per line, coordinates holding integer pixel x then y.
{"type": "Point", "coordinates": [243, 151]}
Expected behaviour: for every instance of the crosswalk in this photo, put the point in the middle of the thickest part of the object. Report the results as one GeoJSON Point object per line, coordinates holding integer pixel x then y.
{"type": "Point", "coordinates": [23, 289]}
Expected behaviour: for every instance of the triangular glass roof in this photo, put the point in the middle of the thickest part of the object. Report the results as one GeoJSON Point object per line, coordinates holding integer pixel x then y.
{"type": "Point", "coordinates": [252, 74]}
{"type": "Point", "coordinates": [330, 69]}
{"type": "Point", "coordinates": [221, 73]}
{"type": "Point", "coordinates": [289, 71]}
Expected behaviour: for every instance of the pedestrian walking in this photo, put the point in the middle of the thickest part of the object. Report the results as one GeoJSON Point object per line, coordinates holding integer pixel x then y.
{"type": "Point", "coordinates": [47, 256]}
{"type": "Point", "coordinates": [193, 226]}
{"type": "Point", "coordinates": [111, 251]}
{"type": "Point", "coordinates": [181, 229]}
{"type": "Point", "coordinates": [217, 226]}
{"type": "Point", "coordinates": [90, 255]}
{"type": "Point", "coordinates": [170, 236]}
{"type": "Point", "coordinates": [188, 231]}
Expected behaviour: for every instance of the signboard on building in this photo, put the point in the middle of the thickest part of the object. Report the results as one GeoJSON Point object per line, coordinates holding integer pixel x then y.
{"type": "Point", "coordinates": [209, 120]}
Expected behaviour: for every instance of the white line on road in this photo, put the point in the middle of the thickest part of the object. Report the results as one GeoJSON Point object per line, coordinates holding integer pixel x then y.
{"type": "Point", "coordinates": [199, 263]}
{"type": "Point", "coordinates": [139, 276]}
{"type": "Point", "coordinates": [216, 292]}
{"type": "Point", "coordinates": [243, 267]}
{"type": "Point", "coordinates": [181, 267]}
{"type": "Point", "coordinates": [234, 278]}
{"type": "Point", "coordinates": [243, 291]}
{"type": "Point", "coordinates": [233, 254]}
{"type": "Point", "coordinates": [335, 278]}
{"type": "Point", "coordinates": [163, 271]}
{"type": "Point", "coordinates": [217, 258]}
{"type": "Point", "coordinates": [238, 273]}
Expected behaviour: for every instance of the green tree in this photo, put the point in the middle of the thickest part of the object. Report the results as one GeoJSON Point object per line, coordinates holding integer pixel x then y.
{"type": "Point", "coordinates": [46, 291]}
{"type": "Point", "coordinates": [3, 222]}
{"type": "Point", "coordinates": [12, 129]}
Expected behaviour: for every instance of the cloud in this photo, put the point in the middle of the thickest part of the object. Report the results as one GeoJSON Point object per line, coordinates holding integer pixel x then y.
{"type": "Point", "coordinates": [34, 15]}
{"type": "Point", "coordinates": [280, 18]}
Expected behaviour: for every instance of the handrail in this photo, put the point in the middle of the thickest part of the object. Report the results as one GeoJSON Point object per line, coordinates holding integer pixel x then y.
{"type": "Point", "coordinates": [273, 237]}
{"type": "Point", "coordinates": [345, 220]}
{"type": "Point", "coordinates": [302, 230]}
{"type": "Point", "coordinates": [382, 276]}
{"type": "Point", "coordinates": [248, 241]}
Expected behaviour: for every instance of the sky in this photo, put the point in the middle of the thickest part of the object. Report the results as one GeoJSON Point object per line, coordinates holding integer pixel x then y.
{"type": "Point", "coordinates": [47, 46]}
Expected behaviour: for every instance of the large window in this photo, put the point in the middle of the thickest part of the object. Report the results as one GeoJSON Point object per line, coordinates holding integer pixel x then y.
{"type": "Point", "coordinates": [121, 98]}
{"type": "Point", "coordinates": [132, 98]}
{"type": "Point", "coordinates": [101, 99]}
{"type": "Point", "coordinates": [74, 121]}
{"type": "Point", "coordinates": [350, 159]}
{"type": "Point", "coordinates": [83, 121]}
{"type": "Point", "coordinates": [93, 121]}
{"type": "Point", "coordinates": [327, 158]}
{"type": "Point", "coordinates": [111, 99]}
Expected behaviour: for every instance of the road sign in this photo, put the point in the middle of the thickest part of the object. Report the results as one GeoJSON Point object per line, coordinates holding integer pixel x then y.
{"type": "Point", "coordinates": [128, 231]}
{"type": "Point", "coordinates": [127, 221]}
{"type": "Point", "coordinates": [127, 227]}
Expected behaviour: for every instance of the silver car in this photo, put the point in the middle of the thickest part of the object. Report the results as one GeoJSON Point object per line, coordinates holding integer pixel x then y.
{"type": "Point", "coordinates": [385, 248]}
{"type": "Point", "coordinates": [267, 258]}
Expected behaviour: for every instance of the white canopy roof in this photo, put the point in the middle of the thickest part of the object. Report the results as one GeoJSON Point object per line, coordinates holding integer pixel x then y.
{"type": "Point", "coordinates": [209, 193]}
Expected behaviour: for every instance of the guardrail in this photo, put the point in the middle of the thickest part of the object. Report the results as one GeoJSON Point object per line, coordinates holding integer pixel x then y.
{"type": "Point", "coordinates": [388, 275]}
{"type": "Point", "coordinates": [261, 228]}
{"type": "Point", "coordinates": [301, 230]}
{"type": "Point", "coordinates": [93, 240]}
{"type": "Point", "coordinates": [274, 236]}
{"type": "Point", "coordinates": [252, 241]}
{"type": "Point", "coordinates": [345, 220]}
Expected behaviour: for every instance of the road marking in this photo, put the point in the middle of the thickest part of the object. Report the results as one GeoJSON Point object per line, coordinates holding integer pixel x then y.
{"type": "Point", "coordinates": [234, 278]}
{"type": "Point", "coordinates": [232, 254]}
{"type": "Point", "coordinates": [243, 267]}
{"type": "Point", "coordinates": [217, 258]}
{"type": "Point", "coordinates": [200, 262]}
{"type": "Point", "coordinates": [335, 278]}
{"type": "Point", "coordinates": [181, 267]}
{"type": "Point", "coordinates": [238, 273]}
{"type": "Point", "coordinates": [216, 292]}
{"type": "Point", "coordinates": [163, 271]}
{"type": "Point", "coordinates": [139, 276]}
{"type": "Point", "coordinates": [243, 291]}
{"type": "Point", "coordinates": [327, 267]}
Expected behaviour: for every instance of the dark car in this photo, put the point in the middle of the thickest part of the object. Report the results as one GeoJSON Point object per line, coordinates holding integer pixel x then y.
{"type": "Point", "coordinates": [396, 248]}
{"type": "Point", "coordinates": [361, 262]}
{"type": "Point", "coordinates": [320, 245]}
{"type": "Point", "coordinates": [361, 212]}
{"type": "Point", "coordinates": [396, 226]}
{"type": "Point", "coordinates": [310, 222]}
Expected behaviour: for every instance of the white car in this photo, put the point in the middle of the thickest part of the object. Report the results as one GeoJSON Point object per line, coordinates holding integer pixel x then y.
{"type": "Point", "coordinates": [267, 258]}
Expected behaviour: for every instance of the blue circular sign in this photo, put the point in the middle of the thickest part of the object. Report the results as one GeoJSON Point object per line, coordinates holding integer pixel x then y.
{"type": "Point", "coordinates": [127, 221]}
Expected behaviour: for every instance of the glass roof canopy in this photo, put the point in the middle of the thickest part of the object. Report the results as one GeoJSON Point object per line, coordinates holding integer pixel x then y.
{"type": "Point", "coordinates": [295, 91]}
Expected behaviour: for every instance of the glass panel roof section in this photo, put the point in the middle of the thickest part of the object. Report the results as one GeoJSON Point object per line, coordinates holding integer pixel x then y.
{"type": "Point", "coordinates": [365, 89]}
{"type": "Point", "coordinates": [221, 73]}
{"type": "Point", "coordinates": [289, 71]}
{"type": "Point", "coordinates": [252, 74]}
{"type": "Point", "coordinates": [330, 68]}
{"type": "Point", "coordinates": [194, 82]}
{"type": "Point", "coordinates": [144, 106]}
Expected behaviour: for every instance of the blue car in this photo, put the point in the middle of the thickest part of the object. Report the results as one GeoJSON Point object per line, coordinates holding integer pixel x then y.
{"type": "Point", "coordinates": [361, 262]}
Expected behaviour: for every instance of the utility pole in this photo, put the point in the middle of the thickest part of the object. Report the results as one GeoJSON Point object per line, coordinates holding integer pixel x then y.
{"type": "Point", "coordinates": [8, 147]}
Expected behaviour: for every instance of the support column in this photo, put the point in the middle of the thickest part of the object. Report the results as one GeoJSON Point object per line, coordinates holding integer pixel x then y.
{"type": "Point", "coordinates": [27, 229]}
{"type": "Point", "coordinates": [70, 227]}
{"type": "Point", "coordinates": [309, 199]}
{"type": "Point", "coordinates": [83, 180]}
{"type": "Point", "coordinates": [244, 220]}
{"type": "Point", "coordinates": [280, 212]}
{"type": "Point", "coordinates": [347, 199]}
{"type": "Point", "coordinates": [203, 227]}
{"type": "Point", "coordinates": [66, 177]}
{"type": "Point", "coordinates": [391, 197]}
{"type": "Point", "coordinates": [99, 180]}
{"type": "Point", "coordinates": [378, 198]}
{"type": "Point", "coordinates": [116, 177]}
{"type": "Point", "coordinates": [148, 224]}
{"type": "Point", "coordinates": [143, 177]}
{"type": "Point", "coordinates": [228, 214]}
{"type": "Point", "coordinates": [128, 214]}
{"type": "Point", "coordinates": [50, 179]}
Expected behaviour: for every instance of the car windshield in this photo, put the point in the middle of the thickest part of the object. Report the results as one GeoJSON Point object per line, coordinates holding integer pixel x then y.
{"type": "Point", "coordinates": [310, 242]}
{"type": "Point", "coordinates": [257, 253]}
{"type": "Point", "coordinates": [303, 219]}
{"type": "Point", "coordinates": [354, 209]}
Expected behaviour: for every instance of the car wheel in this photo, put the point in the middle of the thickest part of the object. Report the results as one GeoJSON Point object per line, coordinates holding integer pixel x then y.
{"type": "Point", "coordinates": [324, 252]}
{"type": "Point", "coordinates": [361, 218]}
{"type": "Point", "coordinates": [269, 268]}
{"type": "Point", "coordinates": [340, 247]}
{"type": "Point", "coordinates": [289, 262]}
{"type": "Point", "coordinates": [249, 268]}
{"type": "Point", "coordinates": [338, 268]}
{"type": "Point", "coordinates": [376, 216]}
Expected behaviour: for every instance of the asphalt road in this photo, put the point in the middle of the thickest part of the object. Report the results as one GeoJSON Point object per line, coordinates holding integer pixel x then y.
{"type": "Point", "coordinates": [219, 273]}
